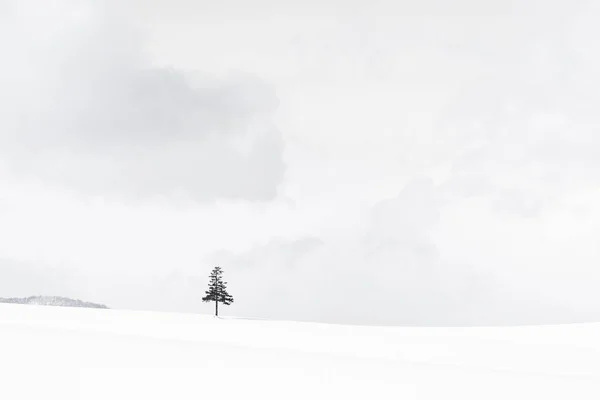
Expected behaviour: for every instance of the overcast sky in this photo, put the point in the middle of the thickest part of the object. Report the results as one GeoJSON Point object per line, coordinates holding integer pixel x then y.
{"type": "Point", "coordinates": [392, 163]}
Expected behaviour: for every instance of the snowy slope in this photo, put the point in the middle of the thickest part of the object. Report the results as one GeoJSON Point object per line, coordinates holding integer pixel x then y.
{"type": "Point", "coordinates": [62, 353]}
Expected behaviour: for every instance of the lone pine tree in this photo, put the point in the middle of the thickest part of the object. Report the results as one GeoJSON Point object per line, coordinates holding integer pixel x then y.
{"type": "Point", "coordinates": [217, 290]}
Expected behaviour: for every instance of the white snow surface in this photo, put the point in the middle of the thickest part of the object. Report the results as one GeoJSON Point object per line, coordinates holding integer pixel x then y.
{"type": "Point", "coordinates": [74, 353]}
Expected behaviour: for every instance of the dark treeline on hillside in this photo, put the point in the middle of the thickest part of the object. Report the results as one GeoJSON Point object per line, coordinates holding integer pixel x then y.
{"type": "Point", "coordinates": [52, 301]}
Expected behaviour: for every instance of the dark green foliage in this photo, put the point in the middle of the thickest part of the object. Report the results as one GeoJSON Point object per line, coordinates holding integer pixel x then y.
{"type": "Point", "coordinates": [217, 290]}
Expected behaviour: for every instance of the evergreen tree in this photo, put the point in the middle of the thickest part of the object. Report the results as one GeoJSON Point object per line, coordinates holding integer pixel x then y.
{"type": "Point", "coordinates": [217, 290]}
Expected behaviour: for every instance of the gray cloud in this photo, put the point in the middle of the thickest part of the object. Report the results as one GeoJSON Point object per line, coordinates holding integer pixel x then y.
{"type": "Point", "coordinates": [83, 106]}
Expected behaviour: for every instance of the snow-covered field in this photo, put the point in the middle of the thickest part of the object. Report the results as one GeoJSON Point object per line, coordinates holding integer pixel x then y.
{"type": "Point", "coordinates": [63, 353]}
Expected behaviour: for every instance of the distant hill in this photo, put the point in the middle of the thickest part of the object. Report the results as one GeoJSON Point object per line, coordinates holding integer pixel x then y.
{"type": "Point", "coordinates": [52, 301]}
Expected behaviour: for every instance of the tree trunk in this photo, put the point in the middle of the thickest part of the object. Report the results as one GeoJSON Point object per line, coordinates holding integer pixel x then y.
{"type": "Point", "coordinates": [216, 308]}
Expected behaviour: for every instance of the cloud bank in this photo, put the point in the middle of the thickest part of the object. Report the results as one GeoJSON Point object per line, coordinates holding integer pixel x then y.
{"type": "Point", "coordinates": [84, 107]}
